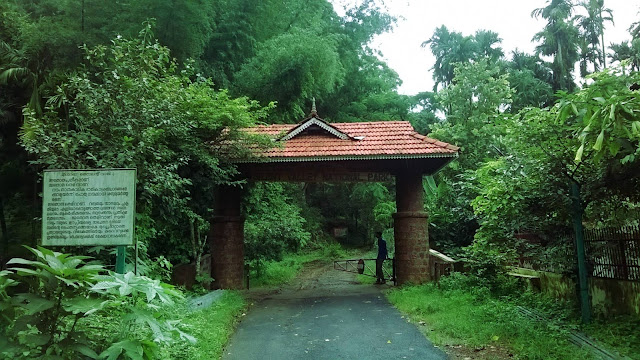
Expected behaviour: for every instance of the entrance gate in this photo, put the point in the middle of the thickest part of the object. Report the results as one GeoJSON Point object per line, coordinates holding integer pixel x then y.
{"type": "Point", "coordinates": [367, 267]}
{"type": "Point", "coordinates": [317, 151]}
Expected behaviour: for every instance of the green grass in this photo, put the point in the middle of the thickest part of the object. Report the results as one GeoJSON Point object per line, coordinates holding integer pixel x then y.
{"type": "Point", "coordinates": [619, 333]}
{"type": "Point", "coordinates": [365, 279]}
{"type": "Point", "coordinates": [212, 327]}
{"type": "Point", "coordinates": [460, 317]}
{"type": "Point", "coordinates": [276, 273]}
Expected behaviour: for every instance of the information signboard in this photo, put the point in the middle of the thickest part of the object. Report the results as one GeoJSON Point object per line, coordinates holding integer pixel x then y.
{"type": "Point", "coordinates": [88, 207]}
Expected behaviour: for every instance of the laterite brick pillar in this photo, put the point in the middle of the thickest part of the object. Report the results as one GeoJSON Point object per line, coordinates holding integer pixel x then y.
{"type": "Point", "coordinates": [410, 226]}
{"type": "Point", "coordinates": [227, 240]}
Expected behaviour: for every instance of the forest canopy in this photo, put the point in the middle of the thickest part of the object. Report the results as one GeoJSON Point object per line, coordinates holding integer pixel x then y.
{"type": "Point", "coordinates": [148, 84]}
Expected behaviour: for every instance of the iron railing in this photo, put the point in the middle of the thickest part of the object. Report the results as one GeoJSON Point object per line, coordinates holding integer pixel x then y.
{"type": "Point", "coordinates": [614, 253]}
{"type": "Point", "coordinates": [611, 253]}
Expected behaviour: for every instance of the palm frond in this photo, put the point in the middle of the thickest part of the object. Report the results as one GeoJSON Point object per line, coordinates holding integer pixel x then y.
{"type": "Point", "coordinates": [15, 74]}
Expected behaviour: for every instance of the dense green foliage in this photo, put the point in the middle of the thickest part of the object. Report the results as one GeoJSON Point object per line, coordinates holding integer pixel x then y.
{"type": "Point", "coordinates": [274, 225]}
{"type": "Point", "coordinates": [520, 149]}
{"type": "Point", "coordinates": [90, 101]}
{"type": "Point", "coordinates": [52, 308]}
{"type": "Point", "coordinates": [159, 84]}
{"type": "Point", "coordinates": [129, 107]}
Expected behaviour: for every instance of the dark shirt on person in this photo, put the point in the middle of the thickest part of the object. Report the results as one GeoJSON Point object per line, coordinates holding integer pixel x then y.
{"type": "Point", "coordinates": [382, 249]}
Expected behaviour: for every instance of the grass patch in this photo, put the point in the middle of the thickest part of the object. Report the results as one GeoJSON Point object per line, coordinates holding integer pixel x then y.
{"type": "Point", "coordinates": [462, 317]}
{"type": "Point", "coordinates": [276, 273]}
{"type": "Point", "coordinates": [620, 333]}
{"type": "Point", "coordinates": [364, 279]}
{"type": "Point", "coordinates": [212, 327]}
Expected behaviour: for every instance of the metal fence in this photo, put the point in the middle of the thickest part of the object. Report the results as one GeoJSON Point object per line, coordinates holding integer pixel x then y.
{"type": "Point", "coordinates": [613, 253]}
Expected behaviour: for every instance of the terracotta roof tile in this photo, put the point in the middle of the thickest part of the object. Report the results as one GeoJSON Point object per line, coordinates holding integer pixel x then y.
{"type": "Point", "coordinates": [384, 139]}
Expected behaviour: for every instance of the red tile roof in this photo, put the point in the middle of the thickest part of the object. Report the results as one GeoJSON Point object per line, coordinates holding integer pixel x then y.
{"type": "Point", "coordinates": [366, 140]}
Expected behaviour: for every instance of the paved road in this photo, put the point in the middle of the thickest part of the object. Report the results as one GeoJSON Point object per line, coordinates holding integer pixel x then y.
{"type": "Point", "coordinates": [326, 315]}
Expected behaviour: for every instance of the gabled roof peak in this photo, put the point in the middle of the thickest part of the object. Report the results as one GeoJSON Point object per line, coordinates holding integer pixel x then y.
{"type": "Point", "coordinates": [311, 120]}
{"type": "Point", "coordinates": [314, 120]}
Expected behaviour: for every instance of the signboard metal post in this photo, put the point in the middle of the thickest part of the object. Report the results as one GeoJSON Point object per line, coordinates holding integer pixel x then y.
{"type": "Point", "coordinates": [121, 252]}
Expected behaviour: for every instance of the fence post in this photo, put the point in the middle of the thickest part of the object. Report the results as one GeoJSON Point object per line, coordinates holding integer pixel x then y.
{"type": "Point", "coordinates": [622, 237]}
{"type": "Point", "coordinates": [582, 269]}
{"type": "Point", "coordinates": [393, 270]}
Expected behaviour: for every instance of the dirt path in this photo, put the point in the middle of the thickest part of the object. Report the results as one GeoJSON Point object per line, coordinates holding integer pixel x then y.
{"type": "Point", "coordinates": [317, 278]}
{"type": "Point", "coordinates": [326, 314]}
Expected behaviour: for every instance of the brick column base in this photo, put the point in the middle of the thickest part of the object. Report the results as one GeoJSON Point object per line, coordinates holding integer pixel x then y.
{"type": "Point", "coordinates": [227, 250]}
{"type": "Point", "coordinates": [411, 234]}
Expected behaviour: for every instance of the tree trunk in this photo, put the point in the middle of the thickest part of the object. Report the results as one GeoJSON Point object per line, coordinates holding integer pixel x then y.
{"type": "Point", "coordinates": [199, 250]}
{"type": "Point", "coordinates": [4, 255]}
{"type": "Point", "coordinates": [604, 55]}
{"type": "Point", "coordinates": [82, 17]}
{"type": "Point", "coordinates": [194, 246]}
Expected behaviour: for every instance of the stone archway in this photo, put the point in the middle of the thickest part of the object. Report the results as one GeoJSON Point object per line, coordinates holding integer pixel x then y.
{"type": "Point", "coordinates": [316, 151]}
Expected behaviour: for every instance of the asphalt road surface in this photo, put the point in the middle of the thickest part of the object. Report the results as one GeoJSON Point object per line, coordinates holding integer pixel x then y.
{"type": "Point", "coordinates": [325, 314]}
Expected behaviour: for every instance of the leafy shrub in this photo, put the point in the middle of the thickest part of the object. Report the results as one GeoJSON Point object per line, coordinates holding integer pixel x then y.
{"type": "Point", "coordinates": [487, 266]}
{"type": "Point", "coordinates": [273, 225]}
{"type": "Point", "coordinates": [63, 294]}
{"type": "Point", "coordinates": [333, 251]}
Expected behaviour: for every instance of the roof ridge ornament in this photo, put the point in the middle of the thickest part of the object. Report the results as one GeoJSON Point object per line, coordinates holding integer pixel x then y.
{"type": "Point", "coordinates": [314, 120]}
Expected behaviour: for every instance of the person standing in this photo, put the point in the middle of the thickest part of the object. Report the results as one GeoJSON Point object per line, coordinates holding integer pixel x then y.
{"type": "Point", "coordinates": [382, 256]}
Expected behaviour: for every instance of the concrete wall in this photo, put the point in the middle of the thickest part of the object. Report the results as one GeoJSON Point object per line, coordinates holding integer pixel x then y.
{"type": "Point", "coordinates": [608, 296]}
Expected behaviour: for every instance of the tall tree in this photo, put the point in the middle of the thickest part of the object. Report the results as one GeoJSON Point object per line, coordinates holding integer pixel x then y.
{"type": "Point", "coordinates": [369, 89]}
{"type": "Point", "coordinates": [631, 53]}
{"type": "Point", "coordinates": [474, 103]}
{"type": "Point", "coordinates": [592, 34]}
{"type": "Point", "coordinates": [452, 48]}
{"type": "Point", "coordinates": [449, 48]}
{"type": "Point", "coordinates": [559, 39]}
{"type": "Point", "coordinates": [290, 69]}
{"type": "Point", "coordinates": [23, 81]}
{"type": "Point", "coordinates": [487, 44]}
{"type": "Point", "coordinates": [231, 43]}
{"type": "Point", "coordinates": [304, 50]}
{"type": "Point", "coordinates": [634, 29]}
{"type": "Point", "coordinates": [530, 77]}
